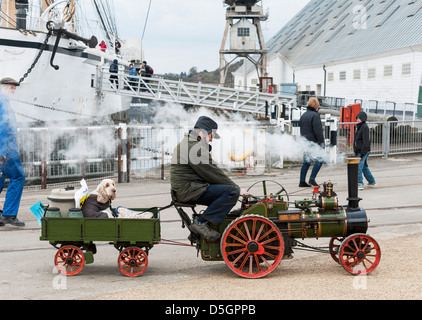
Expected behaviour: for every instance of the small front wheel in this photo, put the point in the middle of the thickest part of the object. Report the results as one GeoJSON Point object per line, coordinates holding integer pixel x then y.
{"type": "Point", "coordinates": [69, 260]}
{"type": "Point", "coordinates": [359, 254]}
{"type": "Point", "coordinates": [335, 244]}
{"type": "Point", "coordinates": [132, 261]}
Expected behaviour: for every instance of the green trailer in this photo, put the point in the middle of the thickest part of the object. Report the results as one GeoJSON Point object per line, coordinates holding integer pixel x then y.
{"type": "Point", "coordinates": [74, 238]}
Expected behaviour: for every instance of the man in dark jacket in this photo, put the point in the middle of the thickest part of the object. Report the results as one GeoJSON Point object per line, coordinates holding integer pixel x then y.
{"type": "Point", "coordinates": [311, 129]}
{"type": "Point", "coordinates": [196, 179]}
{"type": "Point", "coordinates": [362, 148]}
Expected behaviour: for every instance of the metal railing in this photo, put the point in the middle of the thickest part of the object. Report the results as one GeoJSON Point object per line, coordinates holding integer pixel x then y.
{"type": "Point", "coordinates": [387, 138]}
{"type": "Point", "coordinates": [59, 155]}
{"type": "Point", "coordinates": [188, 93]}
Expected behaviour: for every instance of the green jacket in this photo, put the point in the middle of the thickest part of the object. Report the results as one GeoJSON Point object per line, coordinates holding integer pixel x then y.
{"type": "Point", "coordinates": [193, 170]}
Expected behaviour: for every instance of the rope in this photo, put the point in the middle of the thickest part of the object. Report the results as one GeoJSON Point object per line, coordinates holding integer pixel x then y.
{"type": "Point", "coordinates": [146, 20]}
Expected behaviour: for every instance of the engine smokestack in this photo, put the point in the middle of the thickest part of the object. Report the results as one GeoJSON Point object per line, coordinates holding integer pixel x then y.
{"type": "Point", "coordinates": [352, 181]}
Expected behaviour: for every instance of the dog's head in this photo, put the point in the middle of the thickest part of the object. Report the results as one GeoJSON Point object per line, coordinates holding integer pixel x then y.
{"type": "Point", "coordinates": [106, 191]}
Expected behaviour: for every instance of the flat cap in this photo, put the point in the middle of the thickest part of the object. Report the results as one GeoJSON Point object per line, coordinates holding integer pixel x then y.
{"type": "Point", "coordinates": [8, 80]}
{"type": "Point", "coordinates": [208, 125]}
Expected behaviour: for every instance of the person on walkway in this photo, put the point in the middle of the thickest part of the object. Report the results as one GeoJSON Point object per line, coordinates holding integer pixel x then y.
{"type": "Point", "coordinates": [117, 46]}
{"type": "Point", "coordinates": [114, 69]}
{"type": "Point", "coordinates": [196, 179]}
{"type": "Point", "coordinates": [10, 161]}
{"type": "Point", "coordinates": [311, 129]}
{"type": "Point", "coordinates": [132, 72]}
{"type": "Point", "coordinates": [362, 148]}
{"type": "Point", "coordinates": [148, 71]}
{"type": "Point", "coordinates": [103, 46]}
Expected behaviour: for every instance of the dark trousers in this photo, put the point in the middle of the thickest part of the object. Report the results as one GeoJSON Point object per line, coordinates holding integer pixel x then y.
{"type": "Point", "coordinates": [305, 167]}
{"type": "Point", "coordinates": [220, 199]}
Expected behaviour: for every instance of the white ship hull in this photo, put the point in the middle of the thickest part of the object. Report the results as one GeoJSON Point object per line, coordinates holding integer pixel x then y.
{"type": "Point", "coordinates": [47, 94]}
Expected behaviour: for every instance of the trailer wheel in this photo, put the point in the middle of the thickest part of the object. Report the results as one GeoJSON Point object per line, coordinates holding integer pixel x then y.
{"type": "Point", "coordinates": [69, 260]}
{"type": "Point", "coordinates": [335, 244]}
{"type": "Point", "coordinates": [359, 254]}
{"type": "Point", "coordinates": [132, 261]}
{"type": "Point", "coordinates": [252, 246]}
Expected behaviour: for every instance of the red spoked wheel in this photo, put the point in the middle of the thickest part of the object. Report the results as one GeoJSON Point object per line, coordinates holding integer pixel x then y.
{"type": "Point", "coordinates": [359, 254]}
{"type": "Point", "coordinates": [69, 260]}
{"type": "Point", "coordinates": [252, 246]}
{"type": "Point", "coordinates": [132, 261]}
{"type": "Point", "coordinates": [335, 244]}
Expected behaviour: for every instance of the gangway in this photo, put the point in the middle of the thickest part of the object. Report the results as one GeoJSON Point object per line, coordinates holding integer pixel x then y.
{"type": "Point", "coordinates": [188, 93]}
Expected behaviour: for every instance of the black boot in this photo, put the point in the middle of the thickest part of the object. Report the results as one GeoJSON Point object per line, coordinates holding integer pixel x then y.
{"type": "Point", "coordinates": [314, 183]}
{"type": "Point", "coordinates": [13, 221]}
{"type": "Point", "coordinates": [304, 185]}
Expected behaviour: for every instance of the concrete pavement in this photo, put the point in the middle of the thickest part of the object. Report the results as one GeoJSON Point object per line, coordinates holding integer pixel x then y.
{"type": "Point", "coordinates": [394, 208]}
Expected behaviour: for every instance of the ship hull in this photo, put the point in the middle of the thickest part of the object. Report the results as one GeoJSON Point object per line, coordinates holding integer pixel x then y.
{"type": "Point", "coordinates": [47, 94]}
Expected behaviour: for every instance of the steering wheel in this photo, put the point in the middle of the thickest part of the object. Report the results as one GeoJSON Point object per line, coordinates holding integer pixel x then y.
{"type": "Point", "coordinates": [260, 194]}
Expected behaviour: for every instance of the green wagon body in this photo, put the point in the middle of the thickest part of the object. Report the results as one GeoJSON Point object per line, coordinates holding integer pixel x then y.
{"type": "Point", "coordinates": [122, 232]}
{"type": "Point", "coordinates": [74, 238]}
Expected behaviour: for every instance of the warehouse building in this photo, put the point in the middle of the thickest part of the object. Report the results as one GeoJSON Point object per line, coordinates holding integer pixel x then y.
{"type": "Point", "coordinates": [354, 49]}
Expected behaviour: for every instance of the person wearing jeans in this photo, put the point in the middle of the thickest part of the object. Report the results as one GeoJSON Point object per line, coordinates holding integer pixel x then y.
{"type": "Point", "coordinates": [311, 129]}
{"type": "Point", "coordinates": [305, 167]}
{"type": "Point", "coordinates": [362, 148]}
{"type": "Point", "coordinates": [196, 179]}
{"type": "Point", "coordinates": [10, 161]}
{"type": "Point", "coordinates": [364, 171]}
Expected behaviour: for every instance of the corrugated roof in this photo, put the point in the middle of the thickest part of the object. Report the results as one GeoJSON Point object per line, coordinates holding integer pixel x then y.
{"type": "Point", "coordinates": [331, 30]}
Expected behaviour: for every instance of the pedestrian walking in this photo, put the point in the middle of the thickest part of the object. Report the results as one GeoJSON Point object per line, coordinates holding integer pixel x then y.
{"type": "Point", "coordinates": [311, 129]}
{"type": "Point", "coordinates": [362, 148]}
{"type": "Point", "coordinates": [10, 161]}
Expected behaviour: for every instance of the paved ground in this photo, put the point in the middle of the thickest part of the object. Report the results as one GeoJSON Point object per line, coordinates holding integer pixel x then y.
{"type": "Point", "coordinates": [394, 208]}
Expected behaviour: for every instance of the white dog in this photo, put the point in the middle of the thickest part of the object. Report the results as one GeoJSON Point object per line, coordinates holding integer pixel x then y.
{"type": "Point", "coordinates": [98, 204]}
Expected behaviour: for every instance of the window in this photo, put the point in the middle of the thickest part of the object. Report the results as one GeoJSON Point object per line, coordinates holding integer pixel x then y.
{"type": "Point", "coordinates": [330, 76]}
{"type": "Point", "coordinates": [388, 71]}
{"type": "Point", "coordinates": [243, 32]}
{"type": "Point", "coordinates": [406, 69]}
{"type": "Point", "coordinates": [356, 74]}
{"type": "Point", "coordinates": [342, 76]}
{"type": "Point", "coordinates": [372, 72]}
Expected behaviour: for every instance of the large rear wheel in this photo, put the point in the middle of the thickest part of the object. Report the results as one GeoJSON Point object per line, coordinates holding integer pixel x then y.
{"type": "Point", "coordinates": [252, 246]}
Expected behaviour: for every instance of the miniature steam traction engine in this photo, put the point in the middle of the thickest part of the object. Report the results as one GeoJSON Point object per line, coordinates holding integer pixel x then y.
{"type": "Point", "coordinates": [254, 238]}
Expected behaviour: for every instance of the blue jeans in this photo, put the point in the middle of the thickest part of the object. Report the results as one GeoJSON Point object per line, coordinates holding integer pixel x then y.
{"type": "Point", "coordinates": [305, 167]}
{"type": "Point", "coordinates": [364, 169]}
{"type": "Point", "coordinates": [13, 170]}
{"type": "Point", "coordinates": [220, 199]}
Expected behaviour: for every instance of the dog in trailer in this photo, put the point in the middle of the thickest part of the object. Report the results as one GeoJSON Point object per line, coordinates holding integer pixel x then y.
{"type": "Point", "coordinates": [98, 204]}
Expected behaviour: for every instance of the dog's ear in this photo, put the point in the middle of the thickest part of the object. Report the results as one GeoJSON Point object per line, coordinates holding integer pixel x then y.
{"type": "Point", "coordinates": [102, 196]}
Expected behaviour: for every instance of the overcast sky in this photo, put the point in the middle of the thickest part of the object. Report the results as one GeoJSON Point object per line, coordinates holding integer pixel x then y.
{"type": "Point", "coordinates": [188, 33]}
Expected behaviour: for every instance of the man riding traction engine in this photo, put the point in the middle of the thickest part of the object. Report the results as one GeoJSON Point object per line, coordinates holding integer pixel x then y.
{"type": "Point", "coordinates": [258, 236]}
